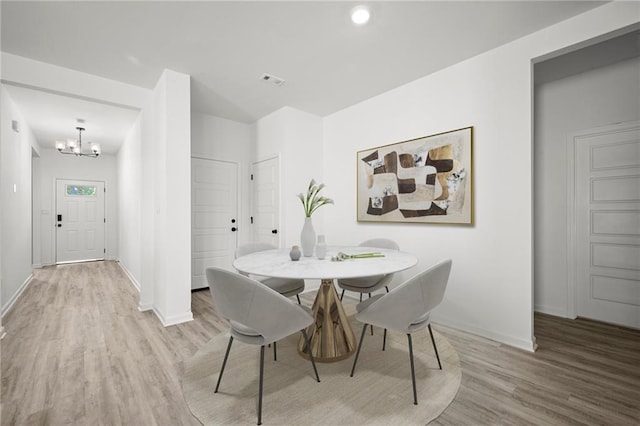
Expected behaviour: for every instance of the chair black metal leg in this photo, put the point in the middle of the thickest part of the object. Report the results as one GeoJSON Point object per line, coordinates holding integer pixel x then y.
{"type": "Point", "coordinates": [384, 339]}
{"type": "Point", "coordinates": [298, 297]}
{"type": "Point", "coordinates": [361, 297]}
{"type": "Point", "coordinates": [341, 295]}
{"type": "Point", "coordinates": [387, 288]}
{"type": "Point", "coordinates": [275, 355]}
{"type": "Point", "coordinates": [224, 363]}
{"type": "Point", "coordinates": [434, 346]}
{"type": "Point", "coordinates": [260, 385]}
{"type": "Point", "coordinates": [361, 301]}
{"type": "Point", "coordinates": [413, 373]}
{"type": "Point", "coordinates": [308, 345]}
{"type": "Point", "coordinates": [355, 360]}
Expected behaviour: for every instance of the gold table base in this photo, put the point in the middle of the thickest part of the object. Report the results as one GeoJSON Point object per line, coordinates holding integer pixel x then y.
{"type": "Point", "coordinates": [331, 335]}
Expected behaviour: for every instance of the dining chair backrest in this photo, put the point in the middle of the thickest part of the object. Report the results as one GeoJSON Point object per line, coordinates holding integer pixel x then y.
{"type": "Point", "coordinates": [252, 247]}
{"type": "Point", "coordinates": [381, 243]}
{"type": "Point", "coordinates": [408, 305]}
{"type": "Point", "coordinates": [255, 306]}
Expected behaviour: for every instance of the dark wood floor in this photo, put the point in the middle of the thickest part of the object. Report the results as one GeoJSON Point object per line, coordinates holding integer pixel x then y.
{"type": "Point", "coordinates": [77, 351]}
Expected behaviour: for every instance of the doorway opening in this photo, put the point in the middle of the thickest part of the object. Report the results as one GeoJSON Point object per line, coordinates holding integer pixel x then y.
{"type": "Point", "coordinates": [581, 88]}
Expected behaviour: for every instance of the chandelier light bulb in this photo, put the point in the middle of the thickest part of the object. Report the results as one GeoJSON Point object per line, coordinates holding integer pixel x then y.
{"type": "Point", "coordinates": [74, 146]}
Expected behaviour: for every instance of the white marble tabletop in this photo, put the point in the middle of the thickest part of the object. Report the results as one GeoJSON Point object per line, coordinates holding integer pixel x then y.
{"type": "Point", "coordinates": [277, 263]}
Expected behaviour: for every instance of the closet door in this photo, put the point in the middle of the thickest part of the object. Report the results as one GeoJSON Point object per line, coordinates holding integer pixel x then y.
{"type": "Point", "coordinates": [214, 216]}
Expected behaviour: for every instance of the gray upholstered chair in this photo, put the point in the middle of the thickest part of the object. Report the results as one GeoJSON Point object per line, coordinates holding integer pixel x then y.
{"type": "Point", "coordinates": [258, 315]}
{"type": "Point", "coordinates": [406, 308]}
{"type": "Point", "coordinates": [372, 283]}
{"type": "Point", "coordinates": [286, 286]}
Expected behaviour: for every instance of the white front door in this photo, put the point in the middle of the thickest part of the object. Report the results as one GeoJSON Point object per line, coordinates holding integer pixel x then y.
{"type": "Point", "coordinates": [214, 217]}
{"type": "Point", "coordinates": [266, 200]}
{"type": "Point", "coordinates": [607, 180]}
{"type": "Point", "coordinates": [80, 221]}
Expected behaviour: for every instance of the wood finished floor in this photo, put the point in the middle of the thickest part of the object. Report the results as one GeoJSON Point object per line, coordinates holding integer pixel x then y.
{"type": "Point", "coordinates": [77, 351]}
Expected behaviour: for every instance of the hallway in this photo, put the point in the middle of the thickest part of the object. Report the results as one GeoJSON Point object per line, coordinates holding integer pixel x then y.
{"type": "Point", "coordinates": [77, 350]}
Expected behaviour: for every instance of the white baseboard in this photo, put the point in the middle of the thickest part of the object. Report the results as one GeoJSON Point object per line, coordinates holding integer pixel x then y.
{"type": "Point", "coordinates": [174, 319]}
{"type": "Point", "coordinates": [133, 280]}
{"type": "Point", "coordinates": [7, 307]}
{"type": "Point", "coordinates": [2, 333]}
{"type": "Point", "coordinates": [527, 345]}
{"type": "Point", "coordinates": [145, 306]}
{"type": "Point", "coordinates": [551, 310]}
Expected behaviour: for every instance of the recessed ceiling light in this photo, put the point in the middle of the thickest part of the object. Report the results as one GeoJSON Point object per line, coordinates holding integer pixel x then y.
{"type": "Point", "coordinates": [360, 15]}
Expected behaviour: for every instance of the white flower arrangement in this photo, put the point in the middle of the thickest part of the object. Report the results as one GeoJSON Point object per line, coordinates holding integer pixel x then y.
{"type": "Point", "coordinates": [313, 200]}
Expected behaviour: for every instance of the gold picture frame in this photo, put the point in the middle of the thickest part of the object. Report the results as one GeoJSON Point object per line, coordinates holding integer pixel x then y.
{"type": "Point", "coordinates": [423, 180]}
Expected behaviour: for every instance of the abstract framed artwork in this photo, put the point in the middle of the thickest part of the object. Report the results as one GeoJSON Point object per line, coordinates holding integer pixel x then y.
{"type": "Point", "coordinates": [423, 180]}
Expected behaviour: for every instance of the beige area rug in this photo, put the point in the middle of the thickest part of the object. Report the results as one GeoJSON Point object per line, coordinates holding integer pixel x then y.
{"type": "Point", "coordinates": [379, 393]}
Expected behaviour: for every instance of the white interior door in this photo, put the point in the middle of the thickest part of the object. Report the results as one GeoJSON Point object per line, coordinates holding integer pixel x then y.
{"type": "Point", "coordinates": [214, 216]}
{"type": "Point", "coordinates": [80, 221]}
{"type": "Point", "coordinates": [607, 178]}
{"type": "Point", "coordinates": [266, 201]}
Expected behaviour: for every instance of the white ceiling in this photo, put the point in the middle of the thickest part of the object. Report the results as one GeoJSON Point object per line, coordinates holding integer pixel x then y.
{"type": "Point", "coordinates": [54, 117]}
{"type": "Point", "coordinates": [328, 63]}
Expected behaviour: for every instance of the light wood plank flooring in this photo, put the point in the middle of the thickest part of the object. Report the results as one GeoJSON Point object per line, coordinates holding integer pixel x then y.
{"type": "Point", "coordinates": [77, 351]}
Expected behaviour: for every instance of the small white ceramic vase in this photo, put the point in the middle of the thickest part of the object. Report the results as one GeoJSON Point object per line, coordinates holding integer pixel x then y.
{"type": "Point", "coordinates": [321, 247]}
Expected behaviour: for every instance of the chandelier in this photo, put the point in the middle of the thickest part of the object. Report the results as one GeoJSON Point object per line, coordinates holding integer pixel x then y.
{"type": "Point", "coordinates": [74, 147]}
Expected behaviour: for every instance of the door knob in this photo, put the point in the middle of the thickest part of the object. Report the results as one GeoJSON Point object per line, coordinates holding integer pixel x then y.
{"type": "Point", "coordinates": [274, 231]}
{"type": "Point", "coordinates": [234, 229]}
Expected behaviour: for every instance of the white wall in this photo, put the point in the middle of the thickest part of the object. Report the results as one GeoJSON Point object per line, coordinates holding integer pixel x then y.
{"type": "Point", "coordinates": [15, 197]}
{"type": "Point", "coordinates": [1, 205]}
{"type": "Point", "coordinates": [147, 209]}
{"type": "Point", "coordinates": [130, 192]}
{"type": "Point", "coordinates": [172, 177]}
{"type": "Point", "coordinates": [226, 140]}
{"type": "Point", "coordinates": [591, 99]}
{"type": "Point", "coordinates": [38, 74]}
{"type": "Point", "coordinates": [53, 165]}
{"type": "Point", "coordinates": [296, 137]}
{"type": "Point", "coordinates": [490, 292]}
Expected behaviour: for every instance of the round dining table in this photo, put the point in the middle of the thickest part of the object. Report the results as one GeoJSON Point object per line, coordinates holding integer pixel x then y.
{"type": "Point", "coordinates": [331, 336]}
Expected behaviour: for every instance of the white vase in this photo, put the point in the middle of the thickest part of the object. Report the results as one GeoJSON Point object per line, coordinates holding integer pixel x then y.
{"type": "Point", "coordinates": [307, 238]}
{"type": "Point", "coordinates": [321, 247]}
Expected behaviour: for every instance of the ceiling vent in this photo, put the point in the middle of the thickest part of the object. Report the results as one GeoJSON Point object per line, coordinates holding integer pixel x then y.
{"type": "Point", "coordinates": [276, 81]}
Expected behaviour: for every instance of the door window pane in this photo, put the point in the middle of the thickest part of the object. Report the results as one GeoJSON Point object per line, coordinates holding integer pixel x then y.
{"type": "Point", "coordinates": [81, 190]}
